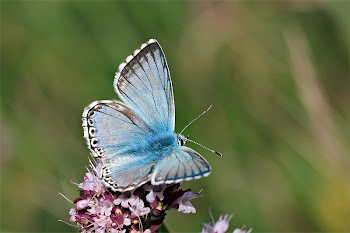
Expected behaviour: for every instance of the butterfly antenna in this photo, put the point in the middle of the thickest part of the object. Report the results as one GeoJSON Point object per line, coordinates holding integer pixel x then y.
{"type": "Point", "coordinates": [204, 147]}
{"type": "Point", "coordinates": [196, 118]}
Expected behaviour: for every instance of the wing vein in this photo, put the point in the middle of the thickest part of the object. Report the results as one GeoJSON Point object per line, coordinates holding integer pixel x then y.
{"type": "Point", "coordinates": [155, 103]}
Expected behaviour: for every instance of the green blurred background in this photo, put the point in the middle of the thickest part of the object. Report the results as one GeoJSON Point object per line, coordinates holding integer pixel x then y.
{"type": "Point", "coordinates": [276, 72]}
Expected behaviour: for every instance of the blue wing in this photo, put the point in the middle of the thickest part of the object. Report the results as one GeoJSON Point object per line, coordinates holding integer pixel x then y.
{"type": "Point", "coordinates": [118, 136]}
{"type": "Point", "coordinates": [135, 139]}
{"type": "Point", "coordinates": [143, 82]}
{"type": "Point", "coordinates": [181, 164]}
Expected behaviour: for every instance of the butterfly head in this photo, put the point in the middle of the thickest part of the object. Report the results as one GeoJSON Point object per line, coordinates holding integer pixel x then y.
{"type": "Point", "coordinates": [182, 140]}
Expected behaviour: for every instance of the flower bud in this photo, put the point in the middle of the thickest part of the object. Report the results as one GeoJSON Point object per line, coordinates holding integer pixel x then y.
{"type": "Point", "coordinates": [82, 204]}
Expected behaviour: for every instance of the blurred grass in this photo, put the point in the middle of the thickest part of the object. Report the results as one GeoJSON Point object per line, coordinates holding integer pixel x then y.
{"type": "Point", "coordinates": [285, 143]}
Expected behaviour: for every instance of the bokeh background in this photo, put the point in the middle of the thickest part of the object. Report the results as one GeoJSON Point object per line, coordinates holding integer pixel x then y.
{"type": "Point", "coordinates": [276, 72]}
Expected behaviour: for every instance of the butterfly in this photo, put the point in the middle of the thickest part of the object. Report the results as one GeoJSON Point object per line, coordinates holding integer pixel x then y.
{"type": "Point", "coordinates": [134, 138]}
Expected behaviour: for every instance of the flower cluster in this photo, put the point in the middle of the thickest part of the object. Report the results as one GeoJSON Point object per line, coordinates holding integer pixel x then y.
{"type": "Point", "coordinates": [98, 209]}
{"type": "Point", "coordinates": [221, 226]}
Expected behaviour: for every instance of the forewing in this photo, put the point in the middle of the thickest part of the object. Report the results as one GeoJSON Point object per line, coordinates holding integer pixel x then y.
{"type": "Point", "coordinates": [118, 136]}
{"type": "Point", "coordinates": [112, 128]}
{"type": "Point", "coordinates": [181, 164]}
{"type": "Point", "coordinates": [143, 82]}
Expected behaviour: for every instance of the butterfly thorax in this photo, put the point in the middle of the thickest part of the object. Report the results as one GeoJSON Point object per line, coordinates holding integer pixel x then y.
{"type": "Point", "coordinates": [164, 141]}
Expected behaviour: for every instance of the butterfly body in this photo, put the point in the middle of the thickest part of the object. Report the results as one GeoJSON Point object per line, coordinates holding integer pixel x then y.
{"type": "Point", "coordinates": [163, 143]}
{"type": "Point", "coordinates": [134, 138]}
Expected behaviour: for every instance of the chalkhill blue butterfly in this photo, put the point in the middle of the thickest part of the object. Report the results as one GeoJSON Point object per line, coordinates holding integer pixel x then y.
{"type": "Point", "coordinates": [134, 137]}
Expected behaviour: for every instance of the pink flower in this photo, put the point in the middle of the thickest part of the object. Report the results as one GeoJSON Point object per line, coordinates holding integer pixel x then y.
{"type": "Point", "coordinates": [127, 221]}
{"type": "Point", "coordinates": [82, 204]}
{"type": "Point", "coordinates": [125, 199]}
{"type": "Point", "coordinates": [237, 230]}
{"type": "Point", "coordinates": [73, 218]}
{"type": "Point", "coordinates": [93, 180]}
{"type": "Point", "coordinates": [99, 209]}
{"type": "Point", "coordinates": [92, 183]}
{"type": "Point", "coordinates": [106, 207]}
{"type": "Point", "coordinates": [94, 209]}
{"type": "Point", "coordinates": [221, 226]}
{"type": "Point", "coordinates": [184, 203]}
{"type": "Point", "coordinates": [97, 169]}
{"type": "Point", "coordinates": [72, 211]}
{"type": "Point", "coordinates": [139, 209]}
{"type": "Point", "coordinates": [154, 191]}
{"type": "Point", "coordinates": [102, 223]}
{"type": "Point", "coordinates": [116, 231]}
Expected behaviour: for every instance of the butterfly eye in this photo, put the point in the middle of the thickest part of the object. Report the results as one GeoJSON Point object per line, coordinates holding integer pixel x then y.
{"type": "Point", "coordinates": [180, 141]}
